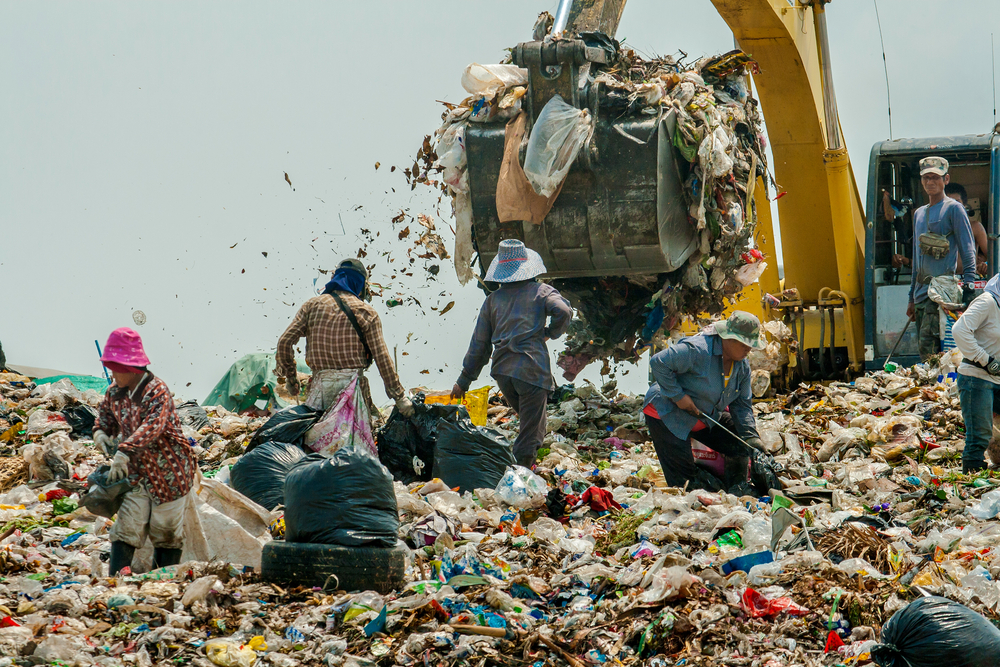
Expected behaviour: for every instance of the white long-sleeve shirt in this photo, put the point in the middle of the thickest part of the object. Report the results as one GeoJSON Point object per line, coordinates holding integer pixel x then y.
{"type": "Point", "coordinates": [977, 336]}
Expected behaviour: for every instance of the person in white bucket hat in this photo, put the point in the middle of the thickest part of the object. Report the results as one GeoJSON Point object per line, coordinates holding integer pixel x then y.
{"type": "Point", "coordinates": [512, 329]}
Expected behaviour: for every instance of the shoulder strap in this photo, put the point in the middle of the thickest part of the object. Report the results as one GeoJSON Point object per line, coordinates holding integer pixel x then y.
{"type": "Point", "coordinates": [357, 327]}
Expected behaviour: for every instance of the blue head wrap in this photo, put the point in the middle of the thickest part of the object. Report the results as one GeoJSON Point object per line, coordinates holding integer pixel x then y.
{"type": "Point", "coordinates": [346, 280]}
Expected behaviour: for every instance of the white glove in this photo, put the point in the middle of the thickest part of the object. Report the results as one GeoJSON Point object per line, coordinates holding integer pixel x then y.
{"type": "Point", "coordinates": [119, 468]}
{"type": "Point", "coordinates": [103, 442]}
{"type": "Point", "coordinates": [405, 406]}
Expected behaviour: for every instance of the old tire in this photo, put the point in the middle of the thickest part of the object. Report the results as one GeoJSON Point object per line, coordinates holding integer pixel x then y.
{"type": "Point", "coordinates": [380, 569]}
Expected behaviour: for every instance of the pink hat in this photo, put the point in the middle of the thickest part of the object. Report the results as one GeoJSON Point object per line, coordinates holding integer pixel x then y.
{"type": "Point", "coordinates": [124, 347]}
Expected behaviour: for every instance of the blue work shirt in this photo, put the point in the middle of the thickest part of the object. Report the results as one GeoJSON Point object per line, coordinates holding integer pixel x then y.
{"type": "Point", "coordinates": [947, 218]}
{"type": "Point", "coordinates": [693, 366]}
{"type": "Point", "coordinates": [512, 329]}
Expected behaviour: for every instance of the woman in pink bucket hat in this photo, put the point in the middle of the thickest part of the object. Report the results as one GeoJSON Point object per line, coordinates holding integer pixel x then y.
{"type": "Point", "coordinates": [153, 454]}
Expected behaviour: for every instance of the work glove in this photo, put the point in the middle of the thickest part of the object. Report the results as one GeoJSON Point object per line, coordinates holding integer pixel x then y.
{"type": "Point", "coordinates": [756, 443]}
{"type": "Point", "coordinates": [292, 385]}
{"type": "Point", "coordinates": [993, 367]}
{"type": "Point", "coordinates": [405, 406]}
{"type": "Point", "coordinates": [968, 294]}
{"type": "Point", "coordinates": [119, 468]}
{"type": "Point", "coordinates": [104, 443]}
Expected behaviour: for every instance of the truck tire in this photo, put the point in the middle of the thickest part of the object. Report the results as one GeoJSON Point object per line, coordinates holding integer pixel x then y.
{"type": "Point", "coordinates": [380, 569]}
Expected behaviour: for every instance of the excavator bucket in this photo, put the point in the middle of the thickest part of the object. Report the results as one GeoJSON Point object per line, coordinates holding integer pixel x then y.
{"type": "Point", "coordinates": [620, 212]}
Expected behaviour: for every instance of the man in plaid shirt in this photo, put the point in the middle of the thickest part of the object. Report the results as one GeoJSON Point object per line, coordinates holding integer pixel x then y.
{"type": "Point", "coordinates": [334, 346]}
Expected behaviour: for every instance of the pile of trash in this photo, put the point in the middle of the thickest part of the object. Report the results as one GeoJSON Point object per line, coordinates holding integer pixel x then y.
{"type": "Point", "coordinates": [587, 559]}
{"type": "Point", "coordinates": [718, 141]}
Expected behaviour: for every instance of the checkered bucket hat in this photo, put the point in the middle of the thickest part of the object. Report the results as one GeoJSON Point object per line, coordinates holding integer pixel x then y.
{"type": "Point", "coordinates": [514, 262]}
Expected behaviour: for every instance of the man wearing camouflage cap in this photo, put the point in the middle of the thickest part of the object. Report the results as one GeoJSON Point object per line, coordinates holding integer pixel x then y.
{"type": "Point", "coordinates": [941, 233]}
{"type": "Point", "coordinates": [707, 374]}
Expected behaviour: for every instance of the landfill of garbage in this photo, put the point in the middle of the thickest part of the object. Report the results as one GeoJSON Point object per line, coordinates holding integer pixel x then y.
{"type": "Point", "coordinates": [587, 559]}
{"type": "Point", "coordinates": [718, 138]}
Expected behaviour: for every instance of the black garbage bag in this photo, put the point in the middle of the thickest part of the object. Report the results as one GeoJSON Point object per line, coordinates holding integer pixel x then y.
{"type": "Point", "coordinates": [936, 632]}
{"type": "Point", "coordinates": [288, 426]}
{"type": "Point", "coordinates": [470, 457]}
{"type": "Point", "coordinates": [764, 471]}
{"type": "Point", "coordinates": [260, 475]}
{"type": "Point", "coordinates": [81, 418]}
{"type": "Point", "coordinates": [193, 415]}
{"type": "Point", "coordinates": [347, 499]}
{"type": "Point", "coordinates": [102, 498]}
{"type": "Point", "coordinates": [402, 439]}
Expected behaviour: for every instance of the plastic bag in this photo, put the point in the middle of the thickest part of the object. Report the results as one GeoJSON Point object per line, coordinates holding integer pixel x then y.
{"type": "Point", "coordinates": [556, 139]}
{"type": "Point", "coordinates": [345, 425]}
{"type": "Point", "coordinates": [936, 632]}
{"type": "Point", "coordinates": [193, 415]}
{"type": "Point", "coordinates": [477, 402]}
{"type": "Point", "coordinates": [487, 80]}
{"type": "Point", "coordinates": [104, 499]}
{"type": "Point", "coordinates": [288, 426]}
{"type": "Point", "coordinates": [764, 471]}
{"type": "Point", "coordinates": [227, 653]}
{"type": "Point", "coordinates": [988, 507]}
{"type": "Point", "coordinates": [347, 499]}
{"type": "Point", "coordinates": [521, 488]}
{"type": "Point", "coordinates": [470, 457]}
{"type": "Point", "coordinates": [41, 422]}
{"type": "Point", "coordinates": [748, 274]}
{"type": "Point", "coordinates": [260, 475]}
{"type": "Point", "coordinates": [81, 419]}
{"type": "Point", "coordinates": [758, 606]}
{"type": "Point", "coordinates": [406, 445]}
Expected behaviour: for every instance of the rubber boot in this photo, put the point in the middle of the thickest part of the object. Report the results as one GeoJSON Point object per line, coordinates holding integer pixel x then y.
{"type": "Point", "coordinates": [121, 557]}
{"type": "Point", "coordinates": [735, 476]}
{"type": "Point", "coordinates": [165, 557]}
{"type": "Point", "coordinates": [972, 466]}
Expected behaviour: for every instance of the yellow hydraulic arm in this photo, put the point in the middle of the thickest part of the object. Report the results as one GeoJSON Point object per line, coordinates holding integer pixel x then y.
{"type": "Point", "coordinates": [821, 216]}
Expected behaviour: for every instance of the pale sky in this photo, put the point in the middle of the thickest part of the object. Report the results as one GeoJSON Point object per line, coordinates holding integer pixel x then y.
{"type": "Point", "coordinates": [141, 141]}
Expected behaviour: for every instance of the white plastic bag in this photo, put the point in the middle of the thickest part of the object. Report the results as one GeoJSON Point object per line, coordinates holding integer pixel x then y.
{"type": "Point", "coordinates": [749, 273]}
{"type": "Point", "coordinates": [487, 80]}
{"type": "Point", "coordinates": [555, 141]}
{"type": "Point", "coordinates": [521, 488]}
{"type": "Point", "coordinates": [451, 156]}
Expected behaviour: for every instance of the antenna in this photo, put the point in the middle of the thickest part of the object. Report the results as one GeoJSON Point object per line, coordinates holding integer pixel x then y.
{"type": "Point", "coordinates": [888, 100]}
{"type": "Point", "coordinates": [993, 65]}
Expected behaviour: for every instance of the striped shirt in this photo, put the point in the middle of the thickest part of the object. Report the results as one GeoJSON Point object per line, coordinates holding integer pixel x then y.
{"type": "Point", "coordinates": [332, 342]}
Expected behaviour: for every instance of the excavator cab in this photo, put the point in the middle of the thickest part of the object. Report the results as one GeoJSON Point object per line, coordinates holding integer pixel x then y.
{"type": "Point", "coordinates": [894, 193]}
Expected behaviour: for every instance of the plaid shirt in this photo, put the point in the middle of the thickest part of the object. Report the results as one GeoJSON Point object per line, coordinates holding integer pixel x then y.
{"type": "Point", "coordinates": [511, 328]}
{"type": "Point", "coordinates": [332, 342]}
{"type": "Point", "coordinates": [159, 454]}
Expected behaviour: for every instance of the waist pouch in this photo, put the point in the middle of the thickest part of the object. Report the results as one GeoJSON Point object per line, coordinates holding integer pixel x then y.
{"type": "Point", "coordinates": [935, 246]}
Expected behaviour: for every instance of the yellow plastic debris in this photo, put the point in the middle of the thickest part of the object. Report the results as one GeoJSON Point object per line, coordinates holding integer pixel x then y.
{"type": "Point", "coordinates": [476, 402]}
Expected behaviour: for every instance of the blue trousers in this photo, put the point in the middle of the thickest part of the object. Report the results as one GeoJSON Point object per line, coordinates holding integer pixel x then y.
{"type": "Point", "coordinates": [977, 398]}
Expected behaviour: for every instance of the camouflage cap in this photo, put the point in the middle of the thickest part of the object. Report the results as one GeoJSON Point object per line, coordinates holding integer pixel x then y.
{"type": "Point", "coordinates": [933, 165]}
{"type": "Point", "coordinates": [354, 265]}
{"type": "Point", "coordinates": [741, 326]}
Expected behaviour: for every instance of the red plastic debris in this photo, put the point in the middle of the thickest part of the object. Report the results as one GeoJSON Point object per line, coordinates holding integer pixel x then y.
{"type": "Point", "coordinates": [758, 606]}
{"type": "Point", "coordinates": [833, 642]}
